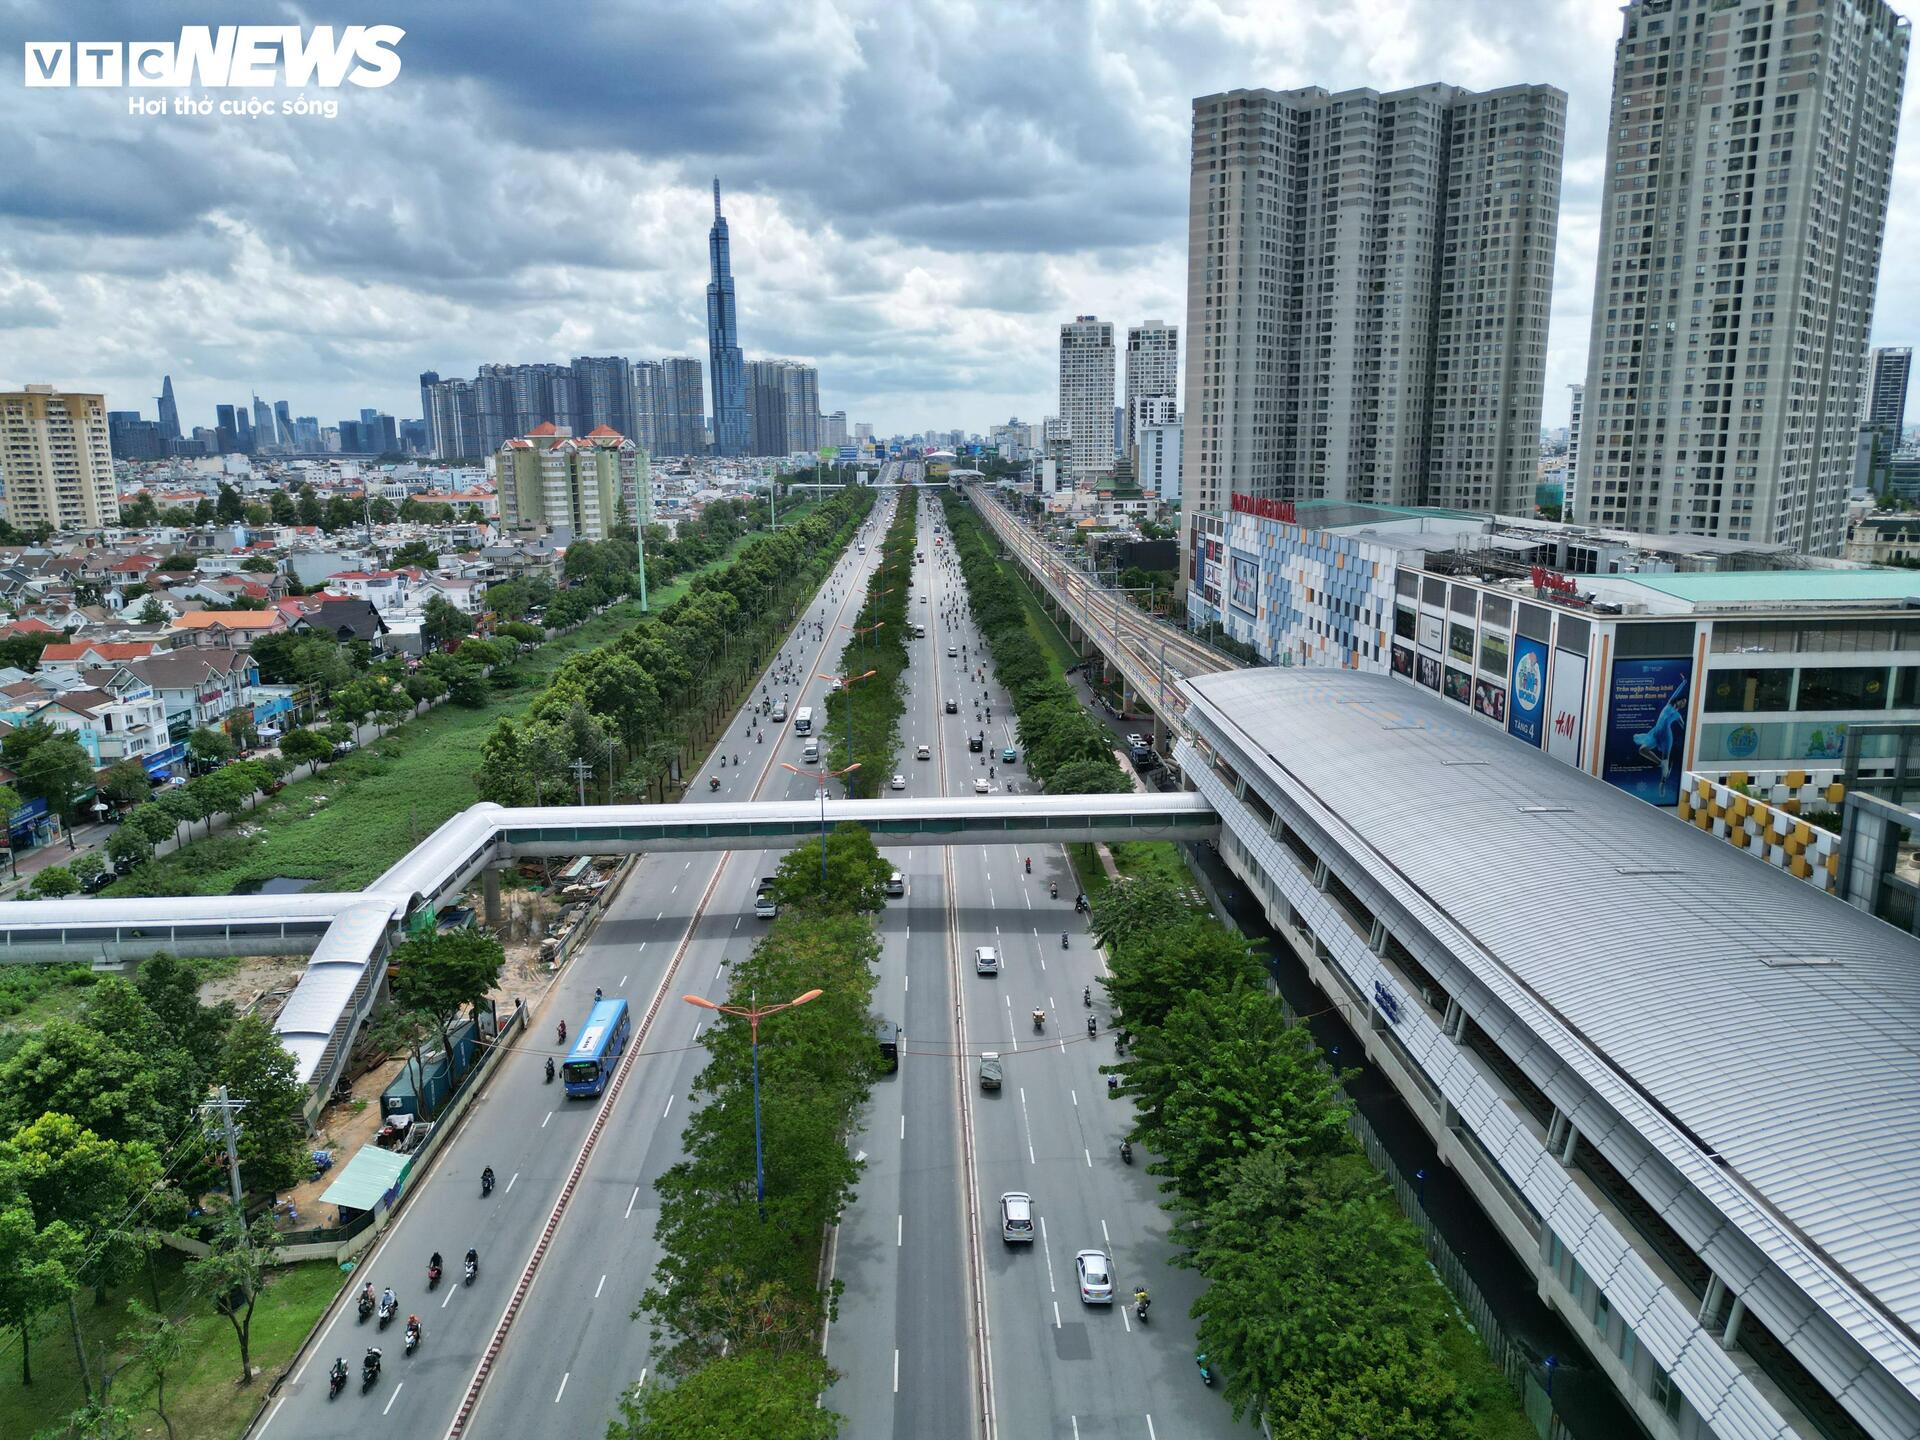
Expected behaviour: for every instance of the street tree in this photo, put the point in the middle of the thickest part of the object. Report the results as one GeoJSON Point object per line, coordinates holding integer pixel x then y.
{"type": "Point", "coordinates": [442, 622]}
{"type": "Point", "coordinates": [209, 747]}
{"type": "Point", "coordinates": [125, 783]}
{"type": "Point", "coordinates": [444, 973]}
{"type": "Point", "coordinates": [54, 882]}
{"type": "Point", "coordinates": [39, 1268]}
{"type": "Point", "coordinates": [752, 1393]}
{"type": "Point", "coordinates": [233, 1273]}
{"type": "Point", "coordinates": [256, 1067]}
{"type": "Point", "coordinates": [856, 875]}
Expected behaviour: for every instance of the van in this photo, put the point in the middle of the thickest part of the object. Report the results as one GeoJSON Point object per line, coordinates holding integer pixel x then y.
{"type": "Point", "coordinates": [896, 884]}
{"type": "Point", "coordinates": [887, 1035]}
{"type": "Point", "coordinates": [811, 752]}
{"type": "Point", "coordinates": [1016, 1217]}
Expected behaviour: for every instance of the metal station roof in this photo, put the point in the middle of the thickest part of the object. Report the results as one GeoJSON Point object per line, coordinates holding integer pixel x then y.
{"type": "Point", "coordinates": [1776, 1026]}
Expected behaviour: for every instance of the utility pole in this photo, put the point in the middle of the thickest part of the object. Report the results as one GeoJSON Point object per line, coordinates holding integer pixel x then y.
{"type": "Point", "coordinates": [226, 1108]}
{"type": "Point", "coordinates": [581, 769]}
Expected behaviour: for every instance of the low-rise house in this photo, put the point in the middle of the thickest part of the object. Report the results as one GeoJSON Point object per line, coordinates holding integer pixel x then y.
{"type": "Point", "coordinates": [227, 629]}
{"type": "Point", "coordinates": [344, 618]}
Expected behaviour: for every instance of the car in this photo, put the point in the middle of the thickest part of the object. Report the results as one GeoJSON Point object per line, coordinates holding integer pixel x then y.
{"type": "Point", "coordinates": [899, 782]}
{"type": "Point", "coordinates": [1009, 755]}
{"type": "Point", "coordinates": [981, 787]}
{"type": "Point", "coordinates": [953, 652]}
{"type": "Point", "coordinates": [94, 884]}
{"type": "Point", "coordinates": [1016, 1217]}
{"type": "Point", "coordinates": [986, 960]}
{"type": "Point", "coordinates": [344, 747]}
{"type": "Point", "coordinates": [923, 752]}
{"type": "Point", "coordinates": [953, 706]}
{"type": "Point", "coordinates": [976, 744]}
{"type": "Point", "coordinates": [1096, 1277]}
{"type": "Point", "coordinates": [896, 884]}
{"type": "Point", "coordinates": [990, 1071]}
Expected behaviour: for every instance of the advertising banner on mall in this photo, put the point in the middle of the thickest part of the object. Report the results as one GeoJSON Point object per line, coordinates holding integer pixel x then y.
{"type": "Point", "coordinates": [1490, 700]}
{"type": "Point", "coordinates": [1244, 593]}
{"type": "Point", "coordinates": [1458, 686]}
{"type": "Point", "coordinates": [1647, 727]}
{"type": "Point", "coordinates": [1429, 675]}
{"type": "Point", "coordinates": [1566, 706]}
{"type": "Point", "coordinates": [1403, 661]}
{"type": "Point", "coordinates": [1527, 715]}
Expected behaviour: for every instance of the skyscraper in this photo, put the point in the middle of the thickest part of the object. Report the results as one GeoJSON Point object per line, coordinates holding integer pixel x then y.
{"type": "Point", "coordinates": [724, 360]}
{"type": "Point", "coordinates": [169, 411]}
{"type": "Point", "coordinates": [1367, 291]}
{"type": "Point", "coordinates": [58, 458]}
{"type": "Point", "coordinates": [283, 423]}
{"type": "Point", "coordinates": [1885, 409]}
{"type": "Point", "coordinates": [226, 431]}
{"type": "Point", "coordinates": [603, 393]}
{"type": "Point", "coordinates": [1750, 151]}
{"type": "Point", "coordinates": [263, 430]}
{"type": "Point", "coordinates": [1086, 393]}
{"type": "Point", "coordinates": [1153, 369]}
{"type": "Point", "coordinates": [683, 416]}
{"type": "Point", "coordinates": [1575, 418]}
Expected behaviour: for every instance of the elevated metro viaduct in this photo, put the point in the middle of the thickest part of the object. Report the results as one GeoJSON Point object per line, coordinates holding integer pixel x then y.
{"type": "Point", "coordinates": [348, 936]}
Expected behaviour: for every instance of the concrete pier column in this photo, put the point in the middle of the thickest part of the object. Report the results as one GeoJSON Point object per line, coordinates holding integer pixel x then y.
{"type": "Point", "coordinates": [490, 890]}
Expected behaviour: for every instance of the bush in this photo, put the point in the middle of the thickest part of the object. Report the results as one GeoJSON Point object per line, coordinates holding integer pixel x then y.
{"type": "Point", "coordinates": [55, 881]}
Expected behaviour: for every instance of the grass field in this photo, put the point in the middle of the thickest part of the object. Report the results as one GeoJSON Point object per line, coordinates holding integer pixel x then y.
{"type": "Point", "coordinates": [343, 827]}
{"type": "Point", "coordinates": [203, 1400]}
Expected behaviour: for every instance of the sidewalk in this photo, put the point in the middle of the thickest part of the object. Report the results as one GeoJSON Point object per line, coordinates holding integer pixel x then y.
{"type": "Point", "coordinates": [55, 852]}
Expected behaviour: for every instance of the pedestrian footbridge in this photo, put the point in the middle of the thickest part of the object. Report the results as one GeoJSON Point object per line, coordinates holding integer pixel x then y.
{"type": "Point", "coordinates": [348, 935]}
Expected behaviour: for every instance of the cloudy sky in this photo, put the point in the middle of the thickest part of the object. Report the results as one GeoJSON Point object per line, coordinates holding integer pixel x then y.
{"type": "Point", "coordinates": [919, 191]}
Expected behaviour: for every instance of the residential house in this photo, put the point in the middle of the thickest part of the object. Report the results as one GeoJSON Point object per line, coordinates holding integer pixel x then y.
{"type": "Point", "coordinates": [198, 686]}
{"type": "Point", "coordinates": [464, 595]}
{"type": "Point", "coordinates": [73, 656]}
{"type": "Point", "coordinates": [226, 629]}
{"type": "Point", "coordinates": [385, 590]}
{"type": "Point", "coordinates": [343, 618]}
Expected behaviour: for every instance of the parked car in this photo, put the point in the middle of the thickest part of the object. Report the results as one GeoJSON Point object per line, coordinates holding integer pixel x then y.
{"type": "Point", "coordinates": [94, 884]}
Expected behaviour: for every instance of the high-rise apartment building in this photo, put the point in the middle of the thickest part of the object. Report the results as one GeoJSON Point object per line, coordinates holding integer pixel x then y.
{"type": "Point", "coordinates": [833, 430]}
{"type": "Point", "coordinates": [1086, 394]}
{"type": "Point", "coordinates": [1884, 405]}
{"type": "Point", "coordinates": [683, 421]}
{"type": "Point", "coordinates": [1575, 416]}
{"type": "Point", "coordinates": [783, 407]}
{"type": "Point", "coordinates": [724, 360]}
{"type": "Point", "coordinates": [603, 393]}
{"type": "Point", "coordinates": [554, 482]}
{"type": "Point", "coordinates": [1153, 369]}
{"type": "Point", "coordinates": [1368, 283]}
{"type": "Point", "coordinates": [1749, 150]}
{"type": "Point", "coordinates": [169, 410]}
{"type": "Point", "coordinates": [56, 460]}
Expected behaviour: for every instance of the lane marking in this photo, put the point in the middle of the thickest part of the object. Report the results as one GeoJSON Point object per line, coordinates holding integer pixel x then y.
{"type": "Point", "coordinates": [896, 1372]}
{"type": "Point", "coordinates": [563, 1387]}
{"type": "Point", "coordinates": [1056, 1314]}
{"type": "Point", "coordinates": [623, 982]}
{"type": "Point", "coordinates": [670, 1100]}
{"type": "Point", "coordinates": [899, 1231]}
{"type": "Point", "coordinates": [550, 1115]}
{"type": "Point", "coordinates": [630, 1203]}
{"type": "Point", "coordinates": [395, 1396]}
{"type": "Point", "coordinates": [509, 1189]}
{"type": "Point", "coordinates": [601, 1286]}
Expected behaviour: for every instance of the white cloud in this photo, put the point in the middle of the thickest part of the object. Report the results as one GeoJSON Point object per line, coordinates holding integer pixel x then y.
{"type": "Point", "coordinates": [919, 191]}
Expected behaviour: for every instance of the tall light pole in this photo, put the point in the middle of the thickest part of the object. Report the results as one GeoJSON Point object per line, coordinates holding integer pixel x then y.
{"type": "Point", "coordinates": [753, 1013]}
{"type": "Point", "coordinates": [820, 778]}
{"type": "Point", "coordinates": [847, 682]}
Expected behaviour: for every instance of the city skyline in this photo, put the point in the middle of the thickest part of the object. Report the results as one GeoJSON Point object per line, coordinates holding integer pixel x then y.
{"type": "Point", "coordinates": [931, 297]}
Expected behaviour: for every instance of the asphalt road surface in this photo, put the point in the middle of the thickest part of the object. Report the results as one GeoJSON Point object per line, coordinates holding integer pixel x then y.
{"type": "Point", "coordinates": [943, 1329]}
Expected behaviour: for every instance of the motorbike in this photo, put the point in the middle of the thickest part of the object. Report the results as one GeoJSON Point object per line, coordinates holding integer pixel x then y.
{"type": "Point", "coordinates": [1126, 1151]}
{"type": "Point", "coordinates": [1086, 996]}
{"type": "Point", "coordinates": [336, 1379]}
{"type": "Point", "coordinates": [1140, 1303]}
{"type": "Point", "coordinates": [1039, 1022]}
{"type": "Point", "coordinates": [369, 1372]}
{"type": "Point", "coordinates": [473, 1269]}
{"type": "Point", "coordinates": [549, 1070]}
{"type": "Point", "coordinates": [386, 1314]}
{"type": "Point", "coordinates": [433, 1275]}
{"type": "Point", "coordinates": [1093, 1027]}
{"type": "Point", "coordinates": [413, 1337]}
{"type": "Point", "coordinates": [713, 782]}
{"type": "Point", "coordinates": [1053, 890]}
{"type": "Point", "coordinates": [1063, 939]}
{"type": "Point", "coordinates": [366, 1308]}
{"type": "Point", "coordinates": [486, 1184]}
{"type": "Point", "coordinates": [1206, 1370]}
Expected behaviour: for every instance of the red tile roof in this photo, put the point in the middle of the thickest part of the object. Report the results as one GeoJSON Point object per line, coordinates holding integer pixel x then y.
{"type": "Point", "coordinates": [545, 427]}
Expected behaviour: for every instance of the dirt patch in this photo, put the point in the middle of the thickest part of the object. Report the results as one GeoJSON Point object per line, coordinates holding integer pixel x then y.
{"type": "Point", "coordinates": [345, 1125]}
{"type": "Point", "coordinates": [260, 982]}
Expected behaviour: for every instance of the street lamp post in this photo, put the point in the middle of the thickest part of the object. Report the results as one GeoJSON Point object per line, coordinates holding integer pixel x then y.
{"type": "Point", "coordinates": [820, 778]}
{"type": "Point", "coordinates": [753, 1013]}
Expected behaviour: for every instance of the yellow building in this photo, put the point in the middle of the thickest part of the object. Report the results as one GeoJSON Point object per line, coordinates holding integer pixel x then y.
{"type": "Point", "coordinates": [552, 481]}
{"type": "Point", "coordinates": [55, 465]}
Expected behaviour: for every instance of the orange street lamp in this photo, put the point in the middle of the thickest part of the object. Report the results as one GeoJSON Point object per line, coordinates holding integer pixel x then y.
{"type": "Point", "coordinates": [753, 1013]}
{"type": "Point", "coordinates": [820, 778]}
{"type": "Point", "coordinates": [847, 682]}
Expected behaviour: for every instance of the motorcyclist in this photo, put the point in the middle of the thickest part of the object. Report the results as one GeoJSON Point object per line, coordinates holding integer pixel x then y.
{"type": "Point", "coordinates": [561, 1030]}
{"type": "Point", "coordinates": [1063, 939]}
{"type": "Point", "coordinates": [1053, 889]}
{"type": "Point", "coordinates": [1093, 1026]}
{"type": "Point", "coordinates": [1086, 996]}
{"type": "Point", "coordinates": [387, 1300]}
{"type": "Point", "coordinates": [1039, 1019]}
{"type": "Point", "coordinates": [549, 1068]}
{"type": "Point", "coordinates": [1029, 864]}
{"type": "Point", "coordinates": [434, 1263]}
{"type": "Point", "coordinates": [486, 1179]}
{"type": "Point", "coordinates": [338, 1373]}
{"type": "Point", "coordinates": [372, 1361]}
{"type": "Point", "coordinates": [473, 1256]}
{"type": "Point", "coordinates": [413, 1327]}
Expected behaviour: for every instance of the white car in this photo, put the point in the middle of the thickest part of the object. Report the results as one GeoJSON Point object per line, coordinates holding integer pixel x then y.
{"type": "Point", "coordinates": [1136, 740]}
{"type": "Point", "coordinates": [980, 787]}
{"type": "Point", "coordinates": [953, 652]}
{"type": "Point", "coordinates": [1096, 1277]}
{"type": "Point", "coordinates": [899, 782]}
{"type": "Point", "coordinates": [923, 752]}
{"type": "Point", "coordinates": [986, 960]}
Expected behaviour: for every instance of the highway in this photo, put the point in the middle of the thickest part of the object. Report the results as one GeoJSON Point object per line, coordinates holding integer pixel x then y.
{"type": "Point", "coordinates": [928, 1206]}
{"type": "Point", "coordinates": [572, 1347]}
{"type": "Point", "coordinates": [943, 1329]}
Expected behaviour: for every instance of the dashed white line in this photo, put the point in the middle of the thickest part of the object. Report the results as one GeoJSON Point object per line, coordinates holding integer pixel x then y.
{"type": "Point", "coordinates": [903, 1127]}
{"type": "Point", "coordinates": [601, 1286]}
{"type": "Point", "coordinates": [509, 1189]}
{"type": "Point", "coordinates": [630, 1203]}
{"type": "Point", "coordinates": [550, 1115]}
{"type": "Point", "coordinates": [663, 1113]}
{"type": "Point", "coordinates": [896, 1372]}
{"type": "Point", "coordinates": [563, 1387]}
{"type": "Point", "coordinates": [395, 1396]}
{"type": "Point", "coordinates": [1150, 1434]}
{"type": "Point", "coordinates": [899, 1231]}
{"type": "Point", "coordinates": [1056, 1314]}
{"type": "Point", "coordinates": [623, 982]}
{"type": "Point", "coordinates": [1089, 1157]}
{"type": "Point", "coordinates": [1105, 1238]}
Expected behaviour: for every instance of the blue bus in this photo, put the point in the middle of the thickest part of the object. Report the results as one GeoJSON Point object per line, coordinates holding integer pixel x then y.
{"type": "Point", "coordinates": [597, 1049]}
